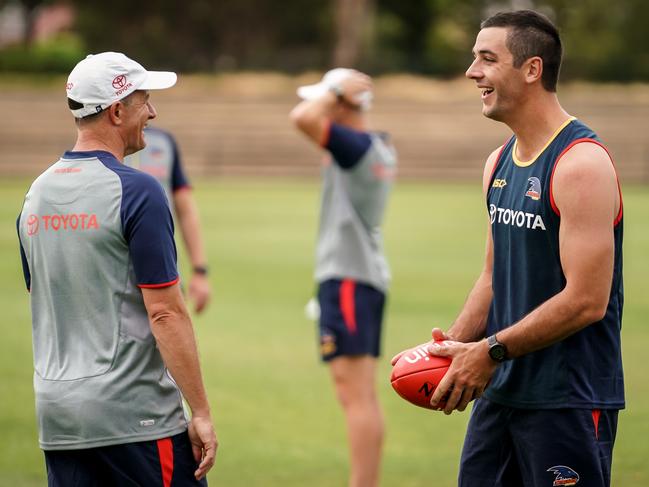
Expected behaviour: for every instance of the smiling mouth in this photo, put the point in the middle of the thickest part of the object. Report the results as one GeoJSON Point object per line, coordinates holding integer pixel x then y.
{"type": "Point", "coordinates": [486, 92]}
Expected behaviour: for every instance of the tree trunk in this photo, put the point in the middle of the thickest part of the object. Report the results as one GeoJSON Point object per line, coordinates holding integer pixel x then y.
{"type": "Point", "coordinates": [352, 20]}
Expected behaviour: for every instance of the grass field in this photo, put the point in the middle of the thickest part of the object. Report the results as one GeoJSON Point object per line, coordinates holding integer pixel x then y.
{"type": "Point", "coordinates": [276, 417]}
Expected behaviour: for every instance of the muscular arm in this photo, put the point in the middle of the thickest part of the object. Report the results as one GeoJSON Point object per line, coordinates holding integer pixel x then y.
{"type": "Point", "coordinates": [174, 334]}
{"type": "Point", "coordinates": [586, 194]}
{"type": "Point", "coordinates": [190, 228]}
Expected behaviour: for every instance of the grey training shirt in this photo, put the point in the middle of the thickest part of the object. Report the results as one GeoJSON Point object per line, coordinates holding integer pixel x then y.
{"type": "Point", "coordinates": [92, 232]}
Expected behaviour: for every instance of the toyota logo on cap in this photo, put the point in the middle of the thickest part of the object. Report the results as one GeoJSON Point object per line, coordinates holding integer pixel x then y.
{"type": "Point", "coordinates": [119, 82]}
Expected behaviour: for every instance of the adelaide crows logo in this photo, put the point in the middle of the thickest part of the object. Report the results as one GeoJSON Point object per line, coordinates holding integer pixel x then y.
{"type": "Point", "coordinates": [533, 188]}
{"type": "Point", "coordinates": [565, 475]}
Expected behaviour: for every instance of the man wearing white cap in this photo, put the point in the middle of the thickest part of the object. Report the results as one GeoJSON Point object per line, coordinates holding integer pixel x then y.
{"type": "Point", "coordinates": [351, 269]}
{"type": "Point", "coordinates": [109, 321]}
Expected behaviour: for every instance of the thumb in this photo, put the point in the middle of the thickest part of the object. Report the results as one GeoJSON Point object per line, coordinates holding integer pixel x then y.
{"type": "Point", "coordinates": [396, 358]}
{"type": "Point", "coordinates": [438, 335]}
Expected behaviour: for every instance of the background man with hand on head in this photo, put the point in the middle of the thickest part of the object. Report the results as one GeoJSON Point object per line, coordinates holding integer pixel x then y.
{"type": "Point", "coordinates": [539, 335]}
{"type": "Point", "coordinates": [96, 239]}
{"type": "Point", "coordinates": [351, 269]}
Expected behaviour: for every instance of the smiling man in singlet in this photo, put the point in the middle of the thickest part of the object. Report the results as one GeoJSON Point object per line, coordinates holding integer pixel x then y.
{"type": "Point", "coordinates": [539, 335]}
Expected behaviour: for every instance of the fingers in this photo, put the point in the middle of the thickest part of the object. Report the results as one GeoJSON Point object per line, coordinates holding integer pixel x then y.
{"type": "Point", "coordinates": [441, 349]}
{"type": "Point", "coordinates": [200, 302]}
{"type": "Point", "coordinates": [452, 397]}
{"type": "Point", "coordinates": [440, 391]}
{"type": "Point", "coordinates": [199, 292]}
{"type": "Point", "coordinates": [204, 445]}
{"type": "Point", "coordinates": [209, 455]}
{"type": "Point", "coordinates": [467, 396]}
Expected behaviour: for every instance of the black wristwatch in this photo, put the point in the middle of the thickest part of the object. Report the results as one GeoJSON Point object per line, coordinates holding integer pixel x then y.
{"type": "Point", "coordinates": [200, 270]}
{"type": "Point", "coordinates": [497, 350]}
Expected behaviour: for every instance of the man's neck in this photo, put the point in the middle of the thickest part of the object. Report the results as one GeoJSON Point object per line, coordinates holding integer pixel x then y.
{"type": "Point", "coordinates": [91, 140]}
{"type": "Point", "coordinates": [536, 122]}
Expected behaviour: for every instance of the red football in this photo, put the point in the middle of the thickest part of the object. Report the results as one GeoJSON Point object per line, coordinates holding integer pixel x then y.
{"type": "Point", "coordinates": [416, 375]}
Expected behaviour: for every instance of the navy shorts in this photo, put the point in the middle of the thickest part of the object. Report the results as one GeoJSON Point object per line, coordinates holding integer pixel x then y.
{"type": "Point", "coordinates": [167, 462]}
{"type": "Point", "coordinates": [351, 315]}
{"type": "Point", "coordinates": [509, 447]}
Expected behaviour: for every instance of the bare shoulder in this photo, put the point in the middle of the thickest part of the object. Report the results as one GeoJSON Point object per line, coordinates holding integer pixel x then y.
{"type": "Point", "coordinates": [489, 167]}
{"type": "Point", "coordinates": [585, 159]}
{"type": "Point", "coordinates": [585, 172]}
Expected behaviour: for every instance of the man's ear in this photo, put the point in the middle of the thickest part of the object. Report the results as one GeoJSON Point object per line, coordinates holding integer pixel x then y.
{"type": "Point", "coordinates": [533, 69]}
{"type": "Point", "coordinates": [116, 113]}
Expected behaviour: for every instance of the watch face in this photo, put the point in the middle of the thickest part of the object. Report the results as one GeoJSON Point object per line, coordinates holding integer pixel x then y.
{"type": "Point", "coordinates": [497, 352]}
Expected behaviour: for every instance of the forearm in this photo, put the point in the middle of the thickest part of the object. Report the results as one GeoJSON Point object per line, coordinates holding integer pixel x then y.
{"type": "Point", "coordinates": [471, 323]}
{"type": "Point", "coordinates": [189, 221]}
{"type": "Point", "coordinates": [175, 339]}
{"type": "Point", "coordinates": [312, 116]}
{"type": "Point", "coordinates": [556, 319]}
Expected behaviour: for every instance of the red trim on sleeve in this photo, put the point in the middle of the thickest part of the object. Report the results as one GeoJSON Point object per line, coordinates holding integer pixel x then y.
{"type": "Point", "coordinates": [347, 304]}
{"type": "Point", "coordinates": [553, 204]}
{"type": "Point", "coordinates": [163, 284]}
{"type": "Point", "coordinates": [326, 134]}
{"type": "Point", "coordinates": [596, 415]}
{"type": "Point", "coordinates": [166, 455]}
{"type": "Point", "coordinates": [187, 187]}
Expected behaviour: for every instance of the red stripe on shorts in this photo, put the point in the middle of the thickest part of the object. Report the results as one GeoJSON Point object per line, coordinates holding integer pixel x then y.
{"type": "Point", "coordinates": [347, 304]}
{"type": "Point", "coordinates": [596, 414]}
{"type": "Point", "coordinates": [166, 454]}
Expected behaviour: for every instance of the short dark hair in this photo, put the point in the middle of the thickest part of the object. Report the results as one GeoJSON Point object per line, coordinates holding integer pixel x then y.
{"type": "Point", "coordinates": [532, 34]}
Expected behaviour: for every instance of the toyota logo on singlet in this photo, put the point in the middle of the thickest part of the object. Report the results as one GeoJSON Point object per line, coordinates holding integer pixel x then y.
{"type": "Point", "coordinates": [119, 82]}
{"type": "Point", "coordinates": [32, 225]}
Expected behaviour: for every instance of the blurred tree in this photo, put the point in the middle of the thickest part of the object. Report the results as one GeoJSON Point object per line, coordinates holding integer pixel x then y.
{"type": "Point", "coordinates": [205, 35]}
{"type": "Point", "coordinates": [402, 29]}
{"type": "Point", "coordinates": [603, 40]}
{"type": "Point", "coordinates": [352, 18]}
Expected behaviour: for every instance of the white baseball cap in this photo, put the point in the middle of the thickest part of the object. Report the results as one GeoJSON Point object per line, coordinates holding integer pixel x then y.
{"type": "Point", "coordinates": [332, 79]}
{"type": "Point", "coordinates": [102, 79]}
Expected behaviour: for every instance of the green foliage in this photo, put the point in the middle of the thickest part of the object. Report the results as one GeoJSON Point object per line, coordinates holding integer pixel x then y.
{"type": "Point", "coordinates": [604, 40]}
{"type": "Point", "coordinates": [202, 35]}
{"type": "Point", "coordinates": [273, 404]}
{"type": "Point", "coordinates": [56, 55]}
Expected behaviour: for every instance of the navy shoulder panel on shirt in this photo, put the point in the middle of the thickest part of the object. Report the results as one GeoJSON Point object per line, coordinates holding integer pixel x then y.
{"type": "Point", "coordinates": [347, 146]}
{"type": "Point", "coordinates": [147, 225]}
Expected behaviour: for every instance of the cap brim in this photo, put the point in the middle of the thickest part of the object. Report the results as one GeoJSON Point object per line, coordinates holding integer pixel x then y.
{"type": "Point", "coordinates": [159, 80]}
{"type": "Point", "coordinates": [311, 92]}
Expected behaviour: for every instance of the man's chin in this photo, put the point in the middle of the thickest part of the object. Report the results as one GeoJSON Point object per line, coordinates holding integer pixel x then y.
{"type": "Point", "coordinates": [132, 150]}
{"type": "Point", "coordinates": [492, 114]}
